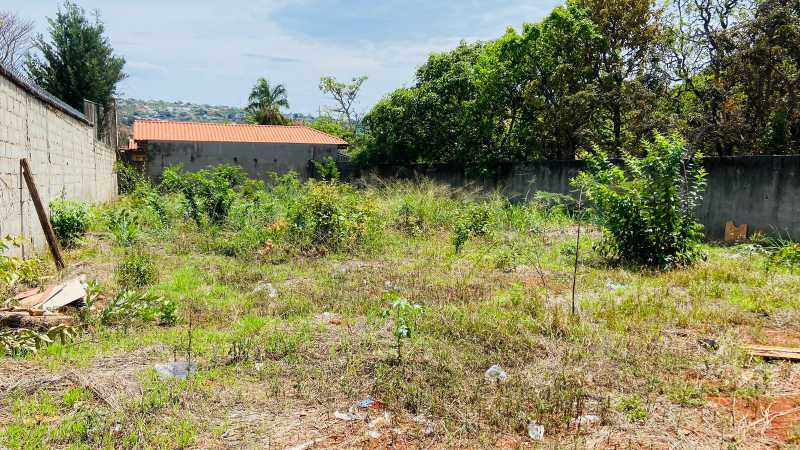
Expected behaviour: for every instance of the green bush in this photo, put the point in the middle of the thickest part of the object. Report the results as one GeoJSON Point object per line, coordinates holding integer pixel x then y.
{"type": "Point", "coordinates": [128, 177]}
{"type": "Point", "coordinates": [331, 217]}
{"type": "Point", "coordinates": [123, 224]}
{"type": "Point", "coordinates": [647, 209]}
{"type": "Point", "coordinates": [70, 221]}
{"type": "Point", "coordinates": [136, 270]}
{"type": "Point", "coordinates": [325, 170]}
{"type": "Point", "coordinates": [208, 193]}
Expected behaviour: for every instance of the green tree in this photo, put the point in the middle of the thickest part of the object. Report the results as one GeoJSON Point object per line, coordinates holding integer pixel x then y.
{"type": "Point", "coordinates": [78, 61]}
{"type": "Point", "coordinates": [630, 33]}
{"type": "Point", "coordinates": [265, 103]}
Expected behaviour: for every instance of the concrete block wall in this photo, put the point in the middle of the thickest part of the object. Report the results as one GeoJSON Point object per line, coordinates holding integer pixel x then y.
{"type": "Point", "coordinates": [760, 191]}
{"type": "Point", "coordinates": [64, 156]}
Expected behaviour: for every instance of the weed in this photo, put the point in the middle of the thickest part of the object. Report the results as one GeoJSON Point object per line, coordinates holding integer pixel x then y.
{"type": "Point", "coordinates": [124, 227]}
{"type": "Point", "coordinates": [325, 170]}
{"type": "Point", "coordinates": [128, 177]}
{"type": "Point", "coordinates": [17, 342]}
{"type": "Point", "coordinates": [70, 221]}
{"type": "Point", "coordinates": [685, 394]}
{"type": "Point", "coordinates": [14, 269]}
{"type": "Point", "coordinates": [136, 270]}
{"type": "Point", "coordinates": [129, 306]}
{"type": "Point", "coordinates": [633, 408]}
{"type": "Point", "coordinates": [404, 317]}
{"type": "Point", "coordinates": [331, 218]}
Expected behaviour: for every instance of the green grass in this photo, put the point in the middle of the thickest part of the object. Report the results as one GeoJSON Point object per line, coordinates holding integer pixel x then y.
{"type": "Point", "coordinates": [503, 299]}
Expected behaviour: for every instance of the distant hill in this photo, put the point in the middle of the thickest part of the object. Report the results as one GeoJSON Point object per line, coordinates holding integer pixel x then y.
{"type": "Point", "coordinates": [129, 109]}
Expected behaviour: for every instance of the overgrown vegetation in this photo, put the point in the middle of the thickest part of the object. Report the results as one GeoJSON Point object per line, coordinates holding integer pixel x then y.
{"type": "Point", "coordinates": [605, 74]}
{"type": "Point", "coordinates": [70, 221]}
{"type": "Point", "coordinates": [309, 295]}
{"type": "Point", "coordinates": [647, 208]}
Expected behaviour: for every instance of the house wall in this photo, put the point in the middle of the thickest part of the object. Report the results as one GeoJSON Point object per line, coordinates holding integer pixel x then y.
{"type": "Point", "coordinates": [63, 153]}
{"type": "Point", "coordinates": [760, 191]}
{"type": "Point", "coordinates": [257, 159]}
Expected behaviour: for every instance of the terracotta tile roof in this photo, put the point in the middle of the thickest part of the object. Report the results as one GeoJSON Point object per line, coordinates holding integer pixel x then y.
{"type": "Point", "coordinates": [158, 130]}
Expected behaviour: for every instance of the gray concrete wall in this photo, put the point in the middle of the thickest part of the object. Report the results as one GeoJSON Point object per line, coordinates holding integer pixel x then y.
{"type": "Point", "coordinates": [257, 159]}
{"type": "Point", "coordinates": [760, 191]}
{"type": "Point", "coordinates": [65, 158]}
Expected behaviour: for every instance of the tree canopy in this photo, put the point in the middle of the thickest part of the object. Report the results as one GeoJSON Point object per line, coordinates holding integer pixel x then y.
{"type": "Point", "coordinates": [77, 63]}
{"type": "Point", "coordinates": [265, 103]}
{"type": "Point", "coordinates": [611, 73]}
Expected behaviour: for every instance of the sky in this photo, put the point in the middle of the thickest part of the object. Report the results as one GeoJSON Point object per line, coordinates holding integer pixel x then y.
{"type": "Point", "coordinates": [212, 51]}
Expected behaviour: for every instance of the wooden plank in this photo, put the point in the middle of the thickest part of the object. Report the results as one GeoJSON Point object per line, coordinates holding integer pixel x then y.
{"type": "Point", "coordinates": [49, 234]}
{"type": "Point", "coordinates": [38, 299]}
{"type": "Point", "coordinates": [73, 291]}
{"type": "Point", "coordinates": [772, 352]}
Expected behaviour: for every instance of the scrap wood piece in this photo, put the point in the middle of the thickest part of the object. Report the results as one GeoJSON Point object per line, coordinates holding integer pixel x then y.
{"type": "Point", "coordinates": [734, 233]}
{"type": "Point", "coordinates": [20, 319]}
{"type": "Point", "coordinates": [44, 221]}
{"type": "Point", "coordinates": [770, 352]}
{"type": "Point", "coordinates": [71, 292]}
{"type": "Point", "coordinates": [37, 299]}
{"type": "Point", "coordinates": [26, 294]}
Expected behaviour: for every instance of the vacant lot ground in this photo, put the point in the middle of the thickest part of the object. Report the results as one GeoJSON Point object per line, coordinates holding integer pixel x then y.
{"type": "Point", "coordinates": [282, 295]}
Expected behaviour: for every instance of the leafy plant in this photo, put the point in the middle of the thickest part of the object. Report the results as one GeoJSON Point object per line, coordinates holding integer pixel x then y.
{"type": "Point", "coordinates": [207, 193]}
{"type": "Point", "coordinates": [474, 223]}
{"type": "Point", "coordinates": [633, 408]}
{"type": "Point", "coordinates": [325, 170]}
{"type": "Point", "coordinates": [13, 268]}
{"type": "Point", "coordinates": [409, 220]}
{"type": "Point", "coordinates": [404, 315]}
{"type": "Point", "coordinates": [782, 252]}
{"type": "Point", "coordinates": [16, 342]}
{"type": "Point", "coordinates": [136, 270]}
{"type": "Point", "coordinates": [128, 177]}
{"type": "Point", "coordinates": [129, 306]}
{"type": "Point", "coordinates": [330, 217]}
{"type": "Point", "coordinates": [70, 221]}
{"type": "Point", "coordinates": [647, 209]}
{"type": "Point", "coordinates": [460, 236]}
{"type": "Point", "coordinates": [123, 224]}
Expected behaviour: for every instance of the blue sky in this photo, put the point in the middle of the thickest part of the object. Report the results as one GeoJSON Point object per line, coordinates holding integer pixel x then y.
{"type": "Point", "coordinates": [212, 51]}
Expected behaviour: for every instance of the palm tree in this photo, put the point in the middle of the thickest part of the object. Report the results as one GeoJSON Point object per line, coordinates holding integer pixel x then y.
{"type": "Point", "coordinates": [266, 103]}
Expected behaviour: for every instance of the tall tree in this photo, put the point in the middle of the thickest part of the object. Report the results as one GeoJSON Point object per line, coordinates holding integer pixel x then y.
{"type": "Point", "coordinates": [345, 95]}
{"type": "Point", "coordinates": [702, 36]}
{"type": "Point", "coordinates": [15, 39]}
{"type": "Point", "coordinates": [265, 103]}
{"type": "Point", "coordinates": [630, 30]}
{"type": "Point", "coordinates": [78, 61]}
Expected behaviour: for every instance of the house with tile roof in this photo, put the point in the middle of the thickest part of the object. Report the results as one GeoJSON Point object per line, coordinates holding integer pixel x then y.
{"type": "Point", "coordinates": [258, 149]}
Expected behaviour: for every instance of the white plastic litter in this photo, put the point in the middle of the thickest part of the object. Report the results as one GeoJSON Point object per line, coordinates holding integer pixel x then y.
{"type": "Point", "coordinates": [495, 374]}
{"type": "Point", "coordinates": [536, 431]}
{"type": "Point", "coordinates": [586, 421]}
{"type": "Point", "coordinates": [177, 369]}
{"type": "Point", "coordinates": [615, 286]}
{"type": "Point", "coordinates": [349, 416]}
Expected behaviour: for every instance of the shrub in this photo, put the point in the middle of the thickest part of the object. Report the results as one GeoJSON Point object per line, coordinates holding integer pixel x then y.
{"type": "Point", "coordinates": [123, 225]}
{"type": "Point", "coordinates": [330, 218]}
{"type": "Point", "coordinates": [14, 268]}
{"type": "Point", "coordinates": [647, 210]}
{"type": "Point", "coordinates": [128, 177]}
{"type": "Point", "coordinates": [409, 221]}
{"type": "Point", "coordinates": [207, 193]}
{"type": "Point", "coordinates": [70, 221]}
{"type": "Point", "coordinates": [325, 170]}
{"type": "Point", "coordinates": [136, 270]}
{"type": "Point", "coordinates": [474, 223]}
{"type": "Point", "coordinates": [128, 306]}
